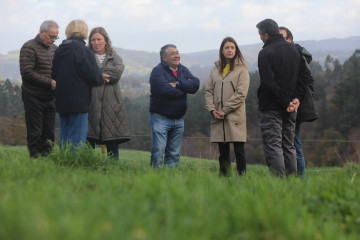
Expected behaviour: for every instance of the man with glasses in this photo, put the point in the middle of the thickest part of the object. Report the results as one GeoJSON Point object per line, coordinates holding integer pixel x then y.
{"type": "Point", "coordinates": [38, 88]}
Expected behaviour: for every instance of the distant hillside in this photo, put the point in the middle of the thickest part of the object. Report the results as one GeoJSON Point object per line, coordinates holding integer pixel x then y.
{"type": "Point", "coordinates": [139, 63]}
{"type": "Point", "coordinates": [340, 49]}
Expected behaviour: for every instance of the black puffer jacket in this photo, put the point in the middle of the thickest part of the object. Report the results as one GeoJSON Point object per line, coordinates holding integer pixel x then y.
{"type": "Point", "coordinates": [35, 68]}
{"type": "Point", "coordinates": [75, 71]}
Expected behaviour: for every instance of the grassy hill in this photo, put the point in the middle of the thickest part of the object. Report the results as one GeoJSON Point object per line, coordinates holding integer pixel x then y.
{"type": "Point", "coordinates": [83, 195]}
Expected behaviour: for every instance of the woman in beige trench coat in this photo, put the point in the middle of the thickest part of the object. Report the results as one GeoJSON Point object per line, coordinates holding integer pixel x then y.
{"type": "Point", "coordinates": [108, 122]}
{"type": "Point", "coordinates": [225, 95]}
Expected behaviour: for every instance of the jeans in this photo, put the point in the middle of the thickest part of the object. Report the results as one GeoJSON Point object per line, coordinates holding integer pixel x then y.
{"type": "Point", "coordinates": [166, 135]}
{"type": "Point", "coordinates": [40, 124]}
{"type": "Point", "coordinates": [277, 131]}
{"type": "Point", "coordinates": [299, 153]}
{"type": "Point", "coordinates": [73, 129]}
{"type": "Point", "coordinates": [224, 158]}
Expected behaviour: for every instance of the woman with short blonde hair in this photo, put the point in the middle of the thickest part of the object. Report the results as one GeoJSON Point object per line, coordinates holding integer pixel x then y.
{"type": "Point", "coordinates": [76, 72]}
{"type": "Point", "coordinates": [77, 28]}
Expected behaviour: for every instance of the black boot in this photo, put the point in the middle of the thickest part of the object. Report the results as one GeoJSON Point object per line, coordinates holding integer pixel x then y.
{"type": "Point", "coordinates": [240, 158]}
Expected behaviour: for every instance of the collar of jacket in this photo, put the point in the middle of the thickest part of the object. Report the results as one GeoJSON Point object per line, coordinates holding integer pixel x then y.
{"type": "Point", "coordinates": [38, 39]}
{"type": "Point", "coordinates": [76, 39]}
{"type": "Point", "coordinates": [166, 66]}
{"type": "Point", "coordinates": [305, 53]}
{"type": "Point", "coordinates": [275, 38]}
{"type": "Point", "coordinates": [217, 63]}
{"type": "Point", "coordinates": [108, 56]}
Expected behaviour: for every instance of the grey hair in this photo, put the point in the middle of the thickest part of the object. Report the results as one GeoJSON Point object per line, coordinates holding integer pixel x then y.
{"type": "Point", "coordinates": [163, 50]}
{"type": "Point", "coordinates": [46, 25]}
{"type": "Point", "coordinates": [268, 26]}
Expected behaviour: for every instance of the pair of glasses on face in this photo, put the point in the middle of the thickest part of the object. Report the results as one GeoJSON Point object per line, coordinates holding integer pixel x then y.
{"type": "Point", "coordinates": [52, 37]}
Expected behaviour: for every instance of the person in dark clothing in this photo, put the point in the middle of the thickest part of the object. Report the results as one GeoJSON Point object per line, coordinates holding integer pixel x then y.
{"type": "Point", "coordinates": [307, 110]}
{"type": "Point", "coordinates": [279, 94]}
{"type": "Point", "coordinates": [38, 88]}
{"type": "Point", "coordinates": [170, 82]}
{"type": "Point", "coordinates": [75, 71]}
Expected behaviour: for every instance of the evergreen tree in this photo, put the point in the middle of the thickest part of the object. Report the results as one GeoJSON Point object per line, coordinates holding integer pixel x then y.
{"type": "Point", "coordinates": [345, 104]}
{"type": "Point", "coordinates": [7, 94]}
{"type": "Point", "coordinates": [137, 110]}
{"type": "Point", "coordinates": [197, 118]}
{"type": "Point", "coordinates": [17, 100]}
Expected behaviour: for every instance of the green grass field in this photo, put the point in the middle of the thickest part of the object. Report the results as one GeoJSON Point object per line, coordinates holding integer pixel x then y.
{"type": "Point", "coordinates": [83, 195]}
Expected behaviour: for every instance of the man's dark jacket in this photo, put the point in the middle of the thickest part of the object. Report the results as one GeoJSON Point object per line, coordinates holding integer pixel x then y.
{"type": "Point", "coordinates": [167, 100]}
{"type": "Point", "coordinates": [35, 68]}
{"type": "Point", "coordinates": [307, 110]}
{"type": "Point", "coordinates": [75, 71]}
{"type": "Point", "coordinates": [279, 64]}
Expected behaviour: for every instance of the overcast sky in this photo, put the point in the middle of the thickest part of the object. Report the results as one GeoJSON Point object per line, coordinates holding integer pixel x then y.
{"type": "Point", "coordinates": [192, 25]}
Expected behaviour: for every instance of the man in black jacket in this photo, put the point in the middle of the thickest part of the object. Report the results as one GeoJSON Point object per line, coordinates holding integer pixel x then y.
{"type": "Point", "coordinates": [38, 88]}
{"type": "Point", "coordinates": [307, 110]}
{"type": "Point", "coordinates": [170, 82]}
{"type": "Point", "coordinates": [279, 93]}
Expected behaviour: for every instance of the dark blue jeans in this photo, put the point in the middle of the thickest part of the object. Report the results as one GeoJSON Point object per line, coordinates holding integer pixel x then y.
{"type": "Point", "coordinates": [299, 152]}
{"type": "Point", "coordinates": [73, 128]}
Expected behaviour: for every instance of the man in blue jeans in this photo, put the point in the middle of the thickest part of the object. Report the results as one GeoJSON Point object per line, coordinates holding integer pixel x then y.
{"type": "Point", "coordinates": [170, 82]}
{"type": "Point", "coordinates": [307, 110]}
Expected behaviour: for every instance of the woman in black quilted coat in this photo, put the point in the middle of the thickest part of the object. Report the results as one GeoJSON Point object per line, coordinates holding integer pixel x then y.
{"type": "Point", "coordinates": [108, 122]}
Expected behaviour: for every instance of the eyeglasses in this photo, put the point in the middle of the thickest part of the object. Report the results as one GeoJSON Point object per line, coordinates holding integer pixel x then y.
{"type": "Point", "coordinates": [52, 37]}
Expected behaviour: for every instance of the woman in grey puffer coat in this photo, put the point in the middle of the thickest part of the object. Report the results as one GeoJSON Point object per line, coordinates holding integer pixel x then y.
{"type": "Point", "coordinates": [108, 122]}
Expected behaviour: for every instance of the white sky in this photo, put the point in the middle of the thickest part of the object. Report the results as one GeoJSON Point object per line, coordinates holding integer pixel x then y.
{"type": "Point", "coordinates": [192, 25]}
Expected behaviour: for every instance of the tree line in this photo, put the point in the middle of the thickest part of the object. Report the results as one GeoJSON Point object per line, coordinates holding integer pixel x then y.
{"type": "Point", "coordinates": [331, 140]}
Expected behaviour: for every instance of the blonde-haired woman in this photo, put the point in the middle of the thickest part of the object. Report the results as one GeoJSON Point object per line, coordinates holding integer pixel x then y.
{"type": "Point", "coordinates": [75, 71]}
{"type": "Point", "coordinates": [225, 95]}
{"type": "Point", "coordinates": [108, 122]}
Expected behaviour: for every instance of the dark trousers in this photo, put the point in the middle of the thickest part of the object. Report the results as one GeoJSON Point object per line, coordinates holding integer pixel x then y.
{"type": "Point", "coordinates": [40, 124]}
{"type": "Point", "coordinates": [224, 158]}
{"type": "Point", "coordinates": [278, 131]}
{"type": "Point", "coordinates": [112, 148]}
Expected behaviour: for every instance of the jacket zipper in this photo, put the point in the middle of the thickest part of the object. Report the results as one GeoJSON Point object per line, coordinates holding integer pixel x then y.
{"type": "Point", "coordinates": [101, 115]}
{"type": "Point", "coordinates": [222, 104]}
{"type": "Point", "coordinates": [232, 85]}
{"type": "Point", "coordinates": [101, 110]}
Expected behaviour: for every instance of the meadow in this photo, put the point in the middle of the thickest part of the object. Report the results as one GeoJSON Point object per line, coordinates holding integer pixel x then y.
{"type": "Point", "coordinates": [84, 195]}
